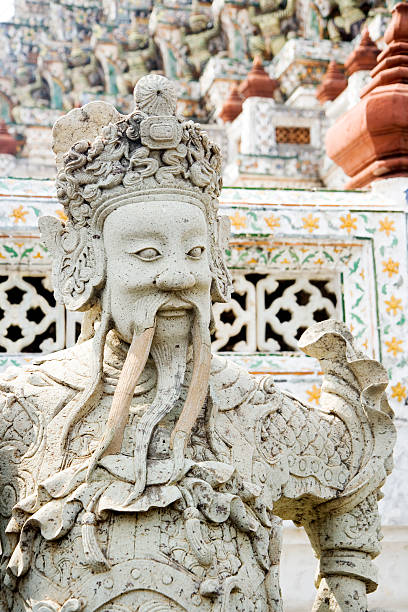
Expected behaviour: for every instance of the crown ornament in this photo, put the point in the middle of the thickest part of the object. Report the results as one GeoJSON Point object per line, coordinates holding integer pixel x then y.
{"type": "Point", "coordinates": [106, 160]}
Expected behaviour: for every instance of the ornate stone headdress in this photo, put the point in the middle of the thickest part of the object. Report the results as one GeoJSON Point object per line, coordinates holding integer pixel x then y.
{"type": "Point", "coordinates": [151, 154]}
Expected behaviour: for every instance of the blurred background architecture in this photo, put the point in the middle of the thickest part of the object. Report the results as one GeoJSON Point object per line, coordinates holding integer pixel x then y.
{"type": "Point", "coordinates": [308, 100]}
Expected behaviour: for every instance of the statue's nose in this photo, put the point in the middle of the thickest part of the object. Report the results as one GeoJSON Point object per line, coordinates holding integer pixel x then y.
{"type": "Point", "coordinates": [174, 280]}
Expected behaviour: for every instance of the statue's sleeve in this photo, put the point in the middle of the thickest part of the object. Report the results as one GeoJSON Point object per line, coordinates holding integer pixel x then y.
{"type": "Point", "coordinates": [323, 468]}
{"type": "Point", "coordinates": [346, 531]}
{"type": "Point", "coordinates": [28, 399]}
{"type": "Point", "coordinates": [21, 431]}
{"type": "Point", "coordinates": [355, 433]}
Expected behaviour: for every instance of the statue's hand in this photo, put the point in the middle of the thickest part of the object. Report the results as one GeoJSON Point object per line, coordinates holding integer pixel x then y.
{"type": "Point", "coordinates": [341, 594]}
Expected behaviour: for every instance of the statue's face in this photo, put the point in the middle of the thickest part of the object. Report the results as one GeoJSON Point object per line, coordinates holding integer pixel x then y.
{"type": "Point", "coordinates": [156, 250]}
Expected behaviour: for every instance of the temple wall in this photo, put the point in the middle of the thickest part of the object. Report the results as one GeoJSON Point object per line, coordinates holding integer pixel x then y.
{"type": "Point", "coordinates": [59, 55]}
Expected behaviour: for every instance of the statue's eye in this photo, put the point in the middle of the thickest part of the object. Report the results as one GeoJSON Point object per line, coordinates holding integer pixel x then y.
{"type": "Point", "coordinates": [196, 252]}
{"type": "Point", "coordinates": [148, 254]}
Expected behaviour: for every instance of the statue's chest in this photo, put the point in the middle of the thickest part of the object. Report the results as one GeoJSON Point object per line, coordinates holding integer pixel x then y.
{"type": "Point", "coordinates": [86, 434]}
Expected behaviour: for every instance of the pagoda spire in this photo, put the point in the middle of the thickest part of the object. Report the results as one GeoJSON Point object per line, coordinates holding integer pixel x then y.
{"type": "Point", "coordinates": [364, 56]}
{"type": "Point", "coordinates": [333, 83]}
{"type": "Point", "coordinates": [258, 82]}
{"type": "Point", "coordinates": [370, 140]}
{"type": "Point", "coordinates": [8, 144]}
{"type": "Point", "coordinates": [232, 107]}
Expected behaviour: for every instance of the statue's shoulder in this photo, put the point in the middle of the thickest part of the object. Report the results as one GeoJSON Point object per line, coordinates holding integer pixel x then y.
{"type": "Point", "coordinates": [30, 398]}
{"type": "Point", "coordinates": [70, 367]}
{"type": "Point", "coordinates": [231, 385]}
{"type": "Point", "coordinates": [49, 382]}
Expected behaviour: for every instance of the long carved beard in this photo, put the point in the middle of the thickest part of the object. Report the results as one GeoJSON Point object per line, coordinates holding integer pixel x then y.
{"type": "Point", "coordinates": [198, 388]}
{"type": "Point", "coordinates": [167, 343]}
{"type": "Point", "coordinates": [170, 355]}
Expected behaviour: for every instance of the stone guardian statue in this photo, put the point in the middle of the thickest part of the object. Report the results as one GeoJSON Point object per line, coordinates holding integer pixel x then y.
{"type": "Point", "coordinates": [139, 472]}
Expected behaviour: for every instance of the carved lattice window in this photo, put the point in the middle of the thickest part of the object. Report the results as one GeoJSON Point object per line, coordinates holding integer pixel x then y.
{"type": "Point", "coordinates": [269, 312]}
{"type": "Point", "coordinates": [292, 135]}
{"type": "Point", "coordinates": [30, 321]}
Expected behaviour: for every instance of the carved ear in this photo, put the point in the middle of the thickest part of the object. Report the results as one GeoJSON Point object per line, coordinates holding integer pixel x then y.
{"type": "Point", "coordinates": [78, 263]}
{"type": "Point", "coordinates": [222, 284]}
{"type": "Point", "coordinates": [224, 232]}
{"type": "Point", "coordinates": [51, 230]}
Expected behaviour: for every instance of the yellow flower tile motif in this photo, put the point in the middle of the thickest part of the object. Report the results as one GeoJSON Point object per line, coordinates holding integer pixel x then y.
{"type": "Point", "coordinates": [310, 223]}
{"type": "Point", "coordinates": [387, 225]}
{"type": "Point", "coordinates": [393, 305]}
{"type": "Point", "coordinates": [61, 214]}
{"type": "Point", "coordinates": [238, 221]}
{"type": "Point", "coordinates": [2, 256]}
{"type": "Point", "coordinates": [314, 394]}
{"type": "Point", "coordinates": [394, 346]}
{"type": "Point", "coordinates": [38, 256]}
{"type": "Point", "coordinates": [348, 222]}
{"type": "Point", "coordinates": [319, 262]}
{"type": "Point", "coordinates": [19, 214]}
{"type": "Point", "coordinates": [272, 222]}
{"type": "Point", "coordinates": [391, 267]}
{"type": "Point", "coordinates": [399, 392]}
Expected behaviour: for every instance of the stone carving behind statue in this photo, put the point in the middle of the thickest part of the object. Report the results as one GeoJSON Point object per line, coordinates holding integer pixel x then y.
{"type": "Point", "coordinates": [138, 471]}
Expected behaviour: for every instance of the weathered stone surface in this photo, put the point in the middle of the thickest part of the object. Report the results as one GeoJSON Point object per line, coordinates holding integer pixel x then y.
{"type": "Point", "coordinates": [141, 473]}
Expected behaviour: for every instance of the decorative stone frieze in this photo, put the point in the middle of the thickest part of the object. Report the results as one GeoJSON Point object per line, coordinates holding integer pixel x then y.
{"type": "Point", "coordinates": [302, 62]}
{"type": "Point", "coordinates": [272, 144]}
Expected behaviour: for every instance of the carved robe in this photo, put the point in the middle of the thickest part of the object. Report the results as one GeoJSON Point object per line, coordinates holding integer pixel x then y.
{"type": "Point", "coordinates": [209, 541]}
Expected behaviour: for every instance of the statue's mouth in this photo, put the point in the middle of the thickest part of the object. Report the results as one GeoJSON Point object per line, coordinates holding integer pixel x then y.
{"type": "Point", "coordinates": [174, 308]}
{"type": "Point", "coordinates": [172, 312]}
